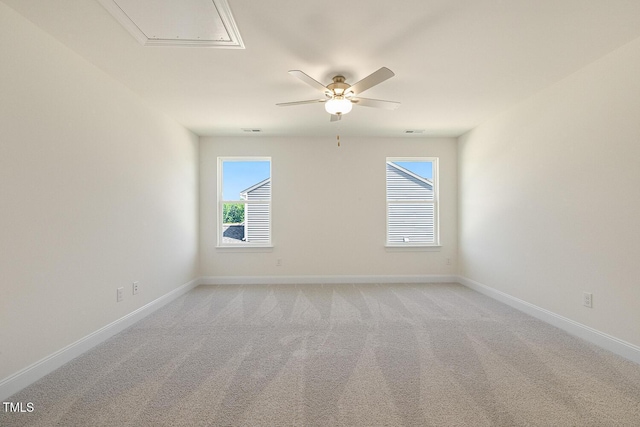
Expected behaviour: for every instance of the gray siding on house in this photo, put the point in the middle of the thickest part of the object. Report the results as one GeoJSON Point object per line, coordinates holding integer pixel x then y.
{"type": "Point", "coordinates": [260, 191]}
{"type": "Point", "coordinates": [257, 215]}
{"type": "Point", "coordinates": [402, 185]}
{"type": "Point", "coordinates": [411, 223]}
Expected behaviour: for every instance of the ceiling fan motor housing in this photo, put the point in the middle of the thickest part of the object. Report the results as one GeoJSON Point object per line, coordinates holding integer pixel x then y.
{"type": "Point", "coordinates": [338, 87]}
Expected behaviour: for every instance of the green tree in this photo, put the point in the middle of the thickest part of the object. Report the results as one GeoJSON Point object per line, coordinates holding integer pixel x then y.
{"type": "Point", "coordinates": [233, 213]}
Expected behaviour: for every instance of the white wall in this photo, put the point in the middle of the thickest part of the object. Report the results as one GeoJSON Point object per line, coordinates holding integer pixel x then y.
{"type": "Point", "coordinates": [96, 190]}
{"type": "Point", "coordinates": [328, 207]}
{"type": "Point", "coordinates": [550, 200]}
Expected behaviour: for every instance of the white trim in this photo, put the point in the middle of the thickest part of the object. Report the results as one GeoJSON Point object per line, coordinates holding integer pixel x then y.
{"type": "Point", "coordinates": [220, 201]}
{"type": "Point", "coordinates": [37, 370]}
{"type": "Point", "coordinates": [435, 185]}
{"type": "Point", "coordinates": [21, 379]}
{"type": "Point", "coordinates": [315, 280]}
{"type": "Point", "coordinates": [412, 248]}
{"type": "Point", "coordinates": [601, 339]}
{"type": "Point", "coordinates": [245, 247]}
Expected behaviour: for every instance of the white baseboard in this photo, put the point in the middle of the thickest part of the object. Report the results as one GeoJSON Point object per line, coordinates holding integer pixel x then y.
{"type": "Point", "coordinates": [622, 348]}
{"type": "Point", "coordinates": [315, 280]}
{"type": "Point", "coordinates": [32, 373]}
{"type": "Point", "coordinates": [39, 369]}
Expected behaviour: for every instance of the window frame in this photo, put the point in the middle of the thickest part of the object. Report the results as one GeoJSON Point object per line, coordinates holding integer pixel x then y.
{"type": "Point", "coordinates": [435, 202]}
{"type": "Point", "coordinates": [220, 202]}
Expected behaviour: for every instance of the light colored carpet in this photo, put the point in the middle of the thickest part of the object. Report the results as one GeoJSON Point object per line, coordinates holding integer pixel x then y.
{"type": "Point", "coordinates": [337, 355]}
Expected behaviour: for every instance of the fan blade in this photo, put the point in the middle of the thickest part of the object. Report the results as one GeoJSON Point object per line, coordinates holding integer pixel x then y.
{"type": "Point", "coordinates": [309, 80]}
{"type": "Point", "coordinates": [311, 101]}
{"type": "Point", "coordinates": [376, 103]}
{"type": "Point", "coordinates": [335, 117]}
{"type": "Point", "coordinates": [371, 80]}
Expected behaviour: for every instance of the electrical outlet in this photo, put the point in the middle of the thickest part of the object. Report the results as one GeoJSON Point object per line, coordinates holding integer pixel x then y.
{"type": "Point", "coordinates": [279, 262]}
{"type": "Point", "coordinates": [119, 294]}
{"type": "Point", "coordinates": [587, 299]}
{"type": "Point", "coordinates": [448, 261]}
{"type": "Point", "coordinates": [136, 287]}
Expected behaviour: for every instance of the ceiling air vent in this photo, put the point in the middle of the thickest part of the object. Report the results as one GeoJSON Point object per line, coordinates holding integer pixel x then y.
{"type": "Point", "coordinates": [205, 23]}
{"type": "Point", "coordinates": [249, 130]}
{"type": "Point", "coordinates": [414, 131]}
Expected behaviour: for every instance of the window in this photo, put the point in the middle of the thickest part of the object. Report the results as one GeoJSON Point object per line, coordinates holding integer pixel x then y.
{"type": "Point", "coordinates": [244, 201]}
{"type": "Point", "coordinates": [412, 201]}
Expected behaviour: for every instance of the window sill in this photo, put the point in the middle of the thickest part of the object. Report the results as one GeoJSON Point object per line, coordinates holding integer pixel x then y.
{"type": "Point", "coordinates": [412, 248]}
{"type": "Point", "coordinates": [246, 248]}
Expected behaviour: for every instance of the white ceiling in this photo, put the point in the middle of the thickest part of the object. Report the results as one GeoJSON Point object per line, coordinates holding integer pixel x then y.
{"type": "Point", "coordinates": [457, 62]}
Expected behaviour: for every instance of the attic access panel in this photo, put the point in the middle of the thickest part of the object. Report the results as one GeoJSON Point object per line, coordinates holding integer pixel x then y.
{"type": "Point", "coordinates": [207, 23]}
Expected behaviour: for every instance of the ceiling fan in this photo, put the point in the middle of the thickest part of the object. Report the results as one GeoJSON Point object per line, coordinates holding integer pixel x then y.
{"type": "Point", "coordinates": [340, 96]}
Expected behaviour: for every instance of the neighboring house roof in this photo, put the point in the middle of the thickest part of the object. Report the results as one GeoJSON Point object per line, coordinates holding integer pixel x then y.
{"type": "Point", "coordinates": [408, 172]}
{"type": "Point", "coordinates": [243, 193]}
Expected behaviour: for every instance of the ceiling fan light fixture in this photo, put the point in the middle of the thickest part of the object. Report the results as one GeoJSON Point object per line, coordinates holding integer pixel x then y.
{"type": "Point", "coordinates": [338, 105]}
{"type": "Point", "coordinates": [340, 95]}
